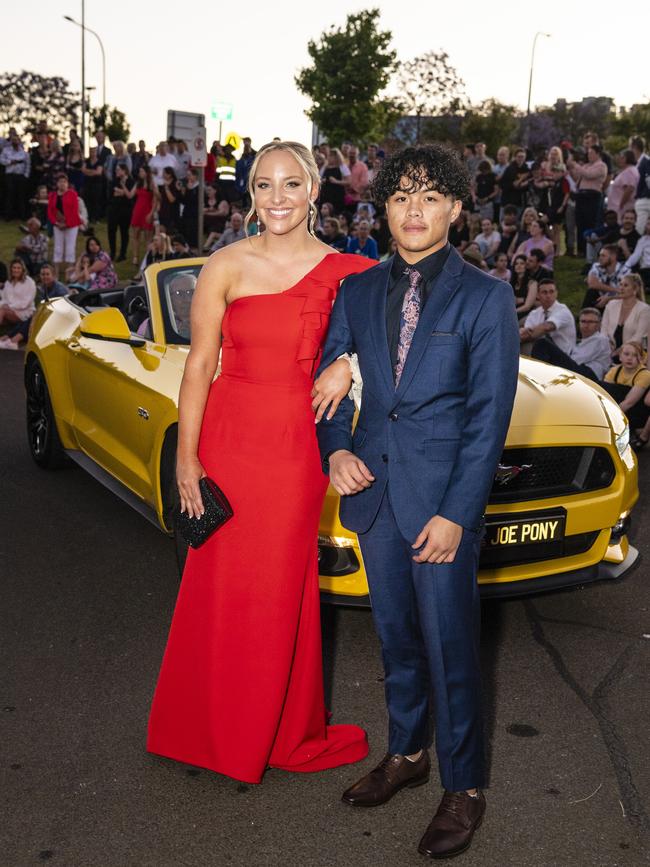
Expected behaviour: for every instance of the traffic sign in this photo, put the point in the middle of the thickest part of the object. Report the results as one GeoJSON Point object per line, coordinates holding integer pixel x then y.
{"type": "Point", "coordinates": [234, 140]}
{"type": "Point", "coordinates": [198, 148]}
{"type": "Point", "coordinates": [183, 124]}
{"type": "Point", "coordinates": [222, 111]}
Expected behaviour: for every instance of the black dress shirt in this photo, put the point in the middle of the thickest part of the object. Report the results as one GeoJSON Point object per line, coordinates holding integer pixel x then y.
{"type": "Point", "coordinates": [430, 268]}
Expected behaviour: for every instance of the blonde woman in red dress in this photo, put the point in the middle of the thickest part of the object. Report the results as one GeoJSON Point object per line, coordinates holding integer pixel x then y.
{"type": "Point", "coordinates": [241, 684]}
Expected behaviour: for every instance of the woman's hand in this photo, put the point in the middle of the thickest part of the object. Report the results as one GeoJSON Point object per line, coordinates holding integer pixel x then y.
{"type": "Point", "coordinates": [188, 473]}
{"type": "Point", "coordinates": [331, 387]}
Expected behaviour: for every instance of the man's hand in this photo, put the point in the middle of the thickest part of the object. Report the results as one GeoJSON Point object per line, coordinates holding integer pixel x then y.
{"type": "Point", "coordinates": [330, 388]}
{"type": "Point", "coordinates": [524, 334]}
{"type": "Point", "coordinates": [348, 473]}
{"type": "Point", "coordinates": [439, 541]}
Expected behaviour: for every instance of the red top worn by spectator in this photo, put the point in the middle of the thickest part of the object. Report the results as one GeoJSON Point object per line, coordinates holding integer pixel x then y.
{"type": "Point", "coordinates": [70, 202]}
{"type": "Point", "coordinates": [211, 168]}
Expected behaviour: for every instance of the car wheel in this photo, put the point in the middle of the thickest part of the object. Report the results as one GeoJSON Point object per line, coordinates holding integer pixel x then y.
{"type": "Point", "coordinates": [170, 495]}
{"type": "Point", "coordinates": [42, 434]}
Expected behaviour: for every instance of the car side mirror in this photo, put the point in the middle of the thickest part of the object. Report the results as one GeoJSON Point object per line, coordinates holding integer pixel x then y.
{"type": "Point", "coordinates": [109, 324]}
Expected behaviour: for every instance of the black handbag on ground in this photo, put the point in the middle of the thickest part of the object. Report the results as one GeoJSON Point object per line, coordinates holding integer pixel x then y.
{"type": "Point", "coordinates": [218, 510]}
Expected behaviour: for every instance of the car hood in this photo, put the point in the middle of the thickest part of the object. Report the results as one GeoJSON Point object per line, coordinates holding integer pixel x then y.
{"type": "Point", "coordinates": [549, 396]}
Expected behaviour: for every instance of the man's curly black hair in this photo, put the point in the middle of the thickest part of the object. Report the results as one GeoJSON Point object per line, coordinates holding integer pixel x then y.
{"type": "Point", "coordinates": [434, 166]}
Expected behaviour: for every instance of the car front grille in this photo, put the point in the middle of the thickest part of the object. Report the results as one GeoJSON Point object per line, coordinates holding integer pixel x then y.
{"type": "Point", "coordinates": [551, 471]}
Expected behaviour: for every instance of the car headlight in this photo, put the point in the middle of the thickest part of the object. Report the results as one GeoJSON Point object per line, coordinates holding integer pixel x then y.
{"type": "Point", "coordinates": [623, 440]}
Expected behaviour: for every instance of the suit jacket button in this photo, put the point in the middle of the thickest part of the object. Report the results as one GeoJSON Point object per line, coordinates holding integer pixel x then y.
{"type": "Point", "coordinates": [384, 458]}
{"type": "Point", "coordinates": [393, 416]}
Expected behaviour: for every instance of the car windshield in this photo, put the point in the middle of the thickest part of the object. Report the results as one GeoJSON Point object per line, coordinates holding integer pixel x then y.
{"type": "Point", "coordinates": [176, 287]}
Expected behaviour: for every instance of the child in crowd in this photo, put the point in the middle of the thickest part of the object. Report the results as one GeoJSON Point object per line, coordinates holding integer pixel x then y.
{"type": "Point", "coordinates": [629, 383]}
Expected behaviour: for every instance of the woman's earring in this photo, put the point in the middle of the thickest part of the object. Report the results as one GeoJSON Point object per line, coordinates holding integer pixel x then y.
{"type": "Point", "coordinates": [259, 223]}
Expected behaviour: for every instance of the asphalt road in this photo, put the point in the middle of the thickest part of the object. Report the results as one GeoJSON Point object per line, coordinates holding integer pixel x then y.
{"type": "Point", "coordinates": [88, 589]}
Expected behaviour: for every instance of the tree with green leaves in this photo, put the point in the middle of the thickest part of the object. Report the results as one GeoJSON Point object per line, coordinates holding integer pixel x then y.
{"type": "Point", "coordinates": [112, 121]}
{"type": "Point", "coordinates": [430, 86]}
{"type": "Point", "coordinates": [27, 98]}
{"type": "Point", "coordinates": [350, 68]}
{"type": "Point", "coordinates": [629, 122]}
{"type": "Point", "coordinates": [492, 122]}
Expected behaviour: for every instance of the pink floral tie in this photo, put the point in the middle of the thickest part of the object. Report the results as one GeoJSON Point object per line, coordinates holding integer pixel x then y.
{"type": "Point", "coordinates": [408, 320]}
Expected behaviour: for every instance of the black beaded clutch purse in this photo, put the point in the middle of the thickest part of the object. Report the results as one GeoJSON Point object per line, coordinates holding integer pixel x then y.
{"type": "Point", "coordinates": [218, 510]}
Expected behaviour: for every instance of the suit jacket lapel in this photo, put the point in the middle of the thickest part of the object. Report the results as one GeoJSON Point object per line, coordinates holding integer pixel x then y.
{"type": "Point", "coordinates": [444, 290]}
{"type": "Point", "coordinates": [377, 321]}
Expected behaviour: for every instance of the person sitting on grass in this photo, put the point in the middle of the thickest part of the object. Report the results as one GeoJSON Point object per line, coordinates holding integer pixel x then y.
{"type": "Point", "coordinates": [627, 318]}
{"type": "Point", "coordinates": [501, 269]}
{"type": "Point", "coordinates": [604, 278]}
{"type": "Point", "coordinates": [17, 299]}
{"type": "Point", "coordinates": [538, 240]}
{"type": "Point", "coordinates": [78, 276]}
{"type": "Point", "coordinates": [629, 383]}
{"type": "Point", "coordinates": [590, 357]}
{"type": "Point", "coordinates": [50, 286]}
{"type": "Point", "coordinates": [33, 247]}
{"type": "Point", "coordinates": [18, 294]}
{"type": "Point", "coordinates": [158, 250]}
{"type": "Point", "coordinates": [640, 258]}
{"type": "Point", "coordinates": [551, 318]}
{"type": "Point", "coordinates": [640, 437]}
{"type": "Point", "coordinates": [180, 247]}
{"type": "Point", "coordinates": [524, 288]}
{"type": "Point", "coordinates": [102, 273]}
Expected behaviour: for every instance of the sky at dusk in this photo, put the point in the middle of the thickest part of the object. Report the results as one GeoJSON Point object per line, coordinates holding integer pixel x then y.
{"type": "Point", "coordinates": [192, 56]}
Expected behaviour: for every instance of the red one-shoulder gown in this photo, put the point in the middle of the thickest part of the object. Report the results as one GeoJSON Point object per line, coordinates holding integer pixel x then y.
{"type": "Point", "coordinates": [241, 683]}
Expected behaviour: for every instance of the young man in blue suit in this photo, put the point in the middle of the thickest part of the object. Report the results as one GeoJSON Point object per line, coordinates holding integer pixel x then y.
{"type": "Point", "coordinates": [438, 348]}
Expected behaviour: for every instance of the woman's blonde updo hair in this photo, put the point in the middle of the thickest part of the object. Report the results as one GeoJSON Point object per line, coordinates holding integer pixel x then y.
{"type": "Point", "coordinates": [305, 159]}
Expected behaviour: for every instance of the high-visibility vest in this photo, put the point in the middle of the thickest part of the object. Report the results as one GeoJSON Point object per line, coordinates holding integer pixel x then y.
{"type": "Point", "coordinates": [226, 168]}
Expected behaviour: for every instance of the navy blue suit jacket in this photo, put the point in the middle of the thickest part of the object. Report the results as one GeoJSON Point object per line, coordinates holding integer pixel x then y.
{"type": "Point", "coordinates": [438, 437]}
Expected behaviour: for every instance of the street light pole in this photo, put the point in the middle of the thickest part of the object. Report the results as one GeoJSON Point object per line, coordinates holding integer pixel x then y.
{"type": "Point", "coordinates": [101, 46]}
{"type": "Point", "coordinates": [530, 81]}
{"type": "Point", "coordinates": [83, 77]}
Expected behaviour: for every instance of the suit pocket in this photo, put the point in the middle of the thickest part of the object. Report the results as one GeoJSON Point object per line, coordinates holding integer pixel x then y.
{"type": "Point", "coordinates": [441, 450]}
{"type": "Point", "coordinates": [444, 338]}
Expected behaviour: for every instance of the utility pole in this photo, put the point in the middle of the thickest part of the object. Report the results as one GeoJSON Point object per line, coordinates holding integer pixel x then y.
{"type": "Point", "coordinates": [83, 77]}
{"type": "Point", "coordinates": [530, 83]}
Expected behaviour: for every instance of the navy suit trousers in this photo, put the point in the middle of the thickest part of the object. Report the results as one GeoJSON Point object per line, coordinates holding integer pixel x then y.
{"type": "Point", "coordinates": [427, 617]}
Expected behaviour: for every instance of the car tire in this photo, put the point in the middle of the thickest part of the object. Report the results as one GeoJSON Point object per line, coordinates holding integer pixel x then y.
{"type": "Point", "coordinates": [45, 444]}
{"type": "Point", "coordinates": [170, 496]}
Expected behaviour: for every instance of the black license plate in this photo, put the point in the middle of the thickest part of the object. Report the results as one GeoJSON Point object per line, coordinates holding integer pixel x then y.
{"type": "Point", "coordinates": [532, 530]}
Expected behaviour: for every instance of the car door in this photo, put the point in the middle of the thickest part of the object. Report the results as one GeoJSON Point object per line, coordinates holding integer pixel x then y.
{"type": "Point", "coordinates": [119, 405]}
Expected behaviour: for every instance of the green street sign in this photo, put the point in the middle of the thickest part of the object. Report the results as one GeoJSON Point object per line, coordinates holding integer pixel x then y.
{"type": "Point", "coordinates": [221, 111]}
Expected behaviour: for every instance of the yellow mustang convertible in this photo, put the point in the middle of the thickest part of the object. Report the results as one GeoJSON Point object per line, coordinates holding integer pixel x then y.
{"type": "Point", "coordinates": [102, 375]}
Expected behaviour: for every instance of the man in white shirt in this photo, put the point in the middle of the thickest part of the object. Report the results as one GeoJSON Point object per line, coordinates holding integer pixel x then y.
{"type": "Point", "coordinates": [183, 159]}
{"type": "Point", "coordinates": [551, 318]}
{"type": "Point", "coordinates": [17, 162]}
{"type": "Point", "coordinates": [162, 160]}
{"type": "Point", "coordinates": [640, 258]}
{"type": "Point", "coordinates": [591, 356]}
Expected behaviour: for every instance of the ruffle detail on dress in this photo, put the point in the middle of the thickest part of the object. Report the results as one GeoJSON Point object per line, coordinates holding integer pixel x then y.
{"type": "Point", "coordinates": [315, 315]}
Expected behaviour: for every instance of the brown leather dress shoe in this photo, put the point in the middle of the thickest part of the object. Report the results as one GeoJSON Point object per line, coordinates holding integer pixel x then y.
{"type": "Point", "coordinates": [391, 774]}
{"type": "Point", "coordinates": [452, 828]}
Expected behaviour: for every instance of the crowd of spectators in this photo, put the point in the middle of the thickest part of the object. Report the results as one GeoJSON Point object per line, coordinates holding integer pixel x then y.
{"type": "Point", "coordinates": [525, 209]}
